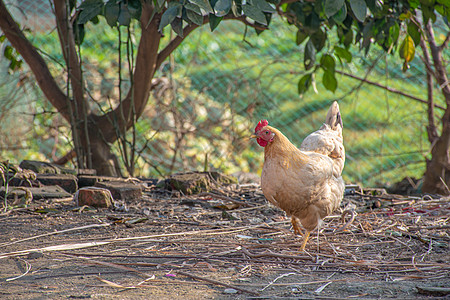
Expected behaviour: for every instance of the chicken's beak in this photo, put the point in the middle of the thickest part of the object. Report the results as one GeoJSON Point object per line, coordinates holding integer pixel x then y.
{"type": "Point", "coordinates": [253, 136]}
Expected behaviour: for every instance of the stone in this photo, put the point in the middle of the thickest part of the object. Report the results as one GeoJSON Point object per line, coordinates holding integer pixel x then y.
{"type": "Point", "coordinates": [38, 192]}
{"type": "Point", "coordinates": [66, 181]}
{"type": "Point", "coordinates": [93, 196]}
{"type": "Point", "coordinates": [40, 167]}
{"type": "Point", "coordinates": [122, 190]}
{"type": "Point", "coordinates": [198, 182]}
{"type": "Point", "coordinates": [43, 167]}
{"type": "Point", "coordinates": [91, 180]}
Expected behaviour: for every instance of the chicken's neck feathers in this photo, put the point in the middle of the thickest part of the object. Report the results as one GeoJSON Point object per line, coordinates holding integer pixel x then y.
{"type": "Point", "coordinates": [282, 148]}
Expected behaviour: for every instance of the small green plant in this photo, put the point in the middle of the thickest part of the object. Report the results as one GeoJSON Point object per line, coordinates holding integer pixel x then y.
{"type": "Point", "coordinates": [4, 172]}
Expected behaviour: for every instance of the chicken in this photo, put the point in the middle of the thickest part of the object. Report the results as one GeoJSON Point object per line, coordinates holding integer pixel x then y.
{"type": "Point", "coordinates": [306, 183]}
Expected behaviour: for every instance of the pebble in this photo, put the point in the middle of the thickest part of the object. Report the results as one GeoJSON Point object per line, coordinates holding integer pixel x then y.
{"type": "Point", "coordinates": [230, 291]}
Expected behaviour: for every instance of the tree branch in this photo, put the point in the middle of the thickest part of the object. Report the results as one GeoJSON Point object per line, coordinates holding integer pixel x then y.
{"type": "Point", "coordinates": [67, 40]}
{"type": "Point", "coordinates": [431, 127]}
{"type": "Point", "coordinates": [439, 68]}
{"type": "Point", "coordinates": [40, 70]}
{"type": "Point", "coordinates": [79, 119]}
{"type": "Point", "coordinates": [445, 43]}
{"type": "Point", "coordinates": [392, 90]}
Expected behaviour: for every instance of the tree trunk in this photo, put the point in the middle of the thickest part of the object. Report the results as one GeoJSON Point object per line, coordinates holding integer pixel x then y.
{"type": "Point", "coordinates": [437, 174]}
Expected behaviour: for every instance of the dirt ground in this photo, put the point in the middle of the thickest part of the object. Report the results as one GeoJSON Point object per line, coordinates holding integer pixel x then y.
{"type": "Point", "coordinates": [226, 244]}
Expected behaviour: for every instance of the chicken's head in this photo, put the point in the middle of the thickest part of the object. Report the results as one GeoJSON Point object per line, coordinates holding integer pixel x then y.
{"type": "Point", "coordinates": [263, 134]}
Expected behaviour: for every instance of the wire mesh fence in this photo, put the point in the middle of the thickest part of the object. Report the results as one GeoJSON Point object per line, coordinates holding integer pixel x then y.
{"type": "Point", "coordinates": [212, 92]}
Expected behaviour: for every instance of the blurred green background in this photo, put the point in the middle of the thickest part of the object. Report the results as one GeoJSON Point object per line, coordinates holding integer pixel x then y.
{"type": "Point", "coordinates": [216, 87]}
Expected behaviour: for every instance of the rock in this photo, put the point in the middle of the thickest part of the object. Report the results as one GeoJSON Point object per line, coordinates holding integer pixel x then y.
{"type": "Point", "coordinates": [40, 167]}
{"type": "Point", "coordinates": [433, 291]}
{"type": "Point", "coordinates": [122, 190]}
{"type": "Point", "coordinates": [93, 196]}
{"type": "Point", "coordinates": [197, 182]}
{"type": "Point", "coordinates": [91, 180]}
{"type": "Point", "coordinates": [230, 291]}
{"type": "Point", "coordinates": [46, 167]}
{"type": "Point", "coordinates": [66, 181]}
{"type": "Point", "coordinates": [87, 172]}
{"type": "Point", "coordinates": [39, 192]}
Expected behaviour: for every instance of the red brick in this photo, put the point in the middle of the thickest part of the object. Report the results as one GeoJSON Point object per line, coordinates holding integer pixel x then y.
{"type": "Point", "coordinates": [93, 196]}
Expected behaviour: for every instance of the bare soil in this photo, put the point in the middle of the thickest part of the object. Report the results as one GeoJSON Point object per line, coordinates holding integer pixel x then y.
{"type": "Point", "coordinates": [227, 244]}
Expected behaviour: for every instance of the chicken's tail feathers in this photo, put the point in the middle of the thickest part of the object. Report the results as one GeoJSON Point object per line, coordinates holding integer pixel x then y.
{"type": "Point", "coordinates": [334, 117]}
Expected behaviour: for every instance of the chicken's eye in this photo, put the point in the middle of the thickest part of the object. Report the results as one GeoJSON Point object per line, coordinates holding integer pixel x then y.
{"type": "Point", "coordinates": [267, 131]}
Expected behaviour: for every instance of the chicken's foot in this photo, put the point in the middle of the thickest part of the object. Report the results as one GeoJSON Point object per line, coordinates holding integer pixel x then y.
{"type": "Point", "coordinates": [295, 226]}
{"type": "Point", "coordinates": [305, 239]}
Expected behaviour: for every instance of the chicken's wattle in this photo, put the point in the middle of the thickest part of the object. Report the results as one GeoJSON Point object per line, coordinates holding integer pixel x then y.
{"type": "Point", "coordinates": [262, 142]}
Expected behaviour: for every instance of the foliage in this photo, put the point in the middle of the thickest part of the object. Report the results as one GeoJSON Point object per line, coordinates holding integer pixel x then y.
{"type": "Point", "coordinates": [389, 24]}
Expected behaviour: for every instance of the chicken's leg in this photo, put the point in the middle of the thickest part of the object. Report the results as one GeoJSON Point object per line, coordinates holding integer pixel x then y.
{"type": "Point", "coordinates": [295, 226]}
{"type": "Point", "coordinates": [305, 239]}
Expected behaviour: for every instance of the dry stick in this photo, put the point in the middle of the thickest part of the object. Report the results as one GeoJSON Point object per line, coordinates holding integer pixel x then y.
{"type": "Point", "coordinates": [55, 232]}
{"type": "Point", "coordinates": [112, 265]}
{"type": "Point", "coordinates": [145, 275]}
{"type": "Point", "coordinates": [110, 241]}
{"type": "Point", "coordinates": [216, 282]}
{"type": "Point", "coordinates": [209, 194]}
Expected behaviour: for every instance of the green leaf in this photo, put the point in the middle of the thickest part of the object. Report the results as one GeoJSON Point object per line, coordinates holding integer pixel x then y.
{"type": "Point", "coordinates": [348, 38]}
{"type": "Point", "coordinates": [375, 6]}
{"type": "Point", "coordinates": [301, 37]}
{"type": "Point", "coordinates": [405, 16]}
{"type": "Point", "coordinates": [359, 9]}
{"type": "Point", "coordinates": [254, 13]}
{"type": "Point", "coordinates": [340, 16]}
{"type": "Point", "coordinates": [309, 58]}
{"type": "Point", "coordinates": [332, 7]}
{"type": "Point", "coordinates": [169, 15]}
{"type": "Point", "coordinates": [329, 81]}
{"type": "Point", "coordinates": [203, 4]}
{"type": "Point", "coordinates": [312, 22]}
{"type": "Point", "coordinates": [8, 52]}
{"type": "Point", "coordinates": [304, 83]}
{"type": "Point", "coordinates": [194, 17]}
{"type": "Point", "coordinates": [214, 21]}
{"type": "Point", "coordinates": [124, 15]}
{"type": "Point", "coordinates": [222, 7]}
{"type": "Point", "coordinates": [319, 38]}
{"type": "Point", "coordinates": [414, 32]}
{"type": "Point", "coordinates": [407, 49]}
{"type": "Point", "coordinates": [177, 26]}
{"type": "Point", "coordinates": [135, 8]}
{"type": "Point", "coordinates": [264, 6]}
{"type": "Point", "coordinates": [79, 33]}
{"type": "Point", "coordinates": [428, 13]}
{"type": "Point", "coordinates": [89, 9]}
{"type": "Point", "coordinates": [193, 8]}
{"type": "Point", "coordinates": [327, 62]}
{"type": "Point", "coordinates": [343, 53]}
{"type": "Point", "coordinates": [394, 32]}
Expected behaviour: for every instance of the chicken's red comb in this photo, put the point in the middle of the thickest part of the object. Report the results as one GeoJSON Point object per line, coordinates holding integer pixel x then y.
{"type": "Point", "coordinates": [261, 124]}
